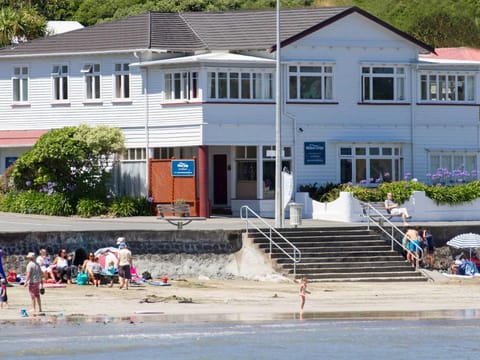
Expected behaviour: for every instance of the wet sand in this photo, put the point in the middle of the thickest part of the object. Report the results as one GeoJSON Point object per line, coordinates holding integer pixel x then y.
{"type": "Point", "coordinates": [212, 300]}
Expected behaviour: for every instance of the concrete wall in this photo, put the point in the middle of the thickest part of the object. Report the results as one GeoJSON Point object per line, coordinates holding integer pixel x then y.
{"type": "Point", "coordinates": [347, 208]}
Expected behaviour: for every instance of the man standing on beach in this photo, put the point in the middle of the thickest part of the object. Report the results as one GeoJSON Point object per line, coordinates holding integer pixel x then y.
{"type": "Point", "coordinates": [34, 280]}
{"type": "Point", "coordinates": [124, 266]}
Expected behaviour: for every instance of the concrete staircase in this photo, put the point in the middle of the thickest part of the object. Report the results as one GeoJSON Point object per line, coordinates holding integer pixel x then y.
{"type": "Point", "coordinates": [340, 254]}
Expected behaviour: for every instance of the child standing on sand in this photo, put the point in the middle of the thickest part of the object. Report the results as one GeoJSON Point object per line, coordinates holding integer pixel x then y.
{"type": "Point", "coordinates": [3, 295]}
{"type": "Point", "coordinates": [97, 271]}
{"type": "Point", "coordinates": [303, 292]}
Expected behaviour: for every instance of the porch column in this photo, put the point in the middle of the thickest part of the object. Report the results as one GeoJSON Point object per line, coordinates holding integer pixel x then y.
{"type": "Point", "coordinates": [203, 180]}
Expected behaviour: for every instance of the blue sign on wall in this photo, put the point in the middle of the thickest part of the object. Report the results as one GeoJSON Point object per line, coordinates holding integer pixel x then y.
{"type": "Point", "coordinates": [314, 153]}
{"type": "Point", "coordinates": [183, 167]}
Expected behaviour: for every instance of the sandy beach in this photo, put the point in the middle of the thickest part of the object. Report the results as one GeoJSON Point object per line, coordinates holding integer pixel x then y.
{"type": "Point", "coordinates": [195, 299]}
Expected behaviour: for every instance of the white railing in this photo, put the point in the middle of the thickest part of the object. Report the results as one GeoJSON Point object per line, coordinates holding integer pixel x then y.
{"type": "Point", "coordinates": [380, 223]}
{"type": "Point", "coordinates": [295, 255]}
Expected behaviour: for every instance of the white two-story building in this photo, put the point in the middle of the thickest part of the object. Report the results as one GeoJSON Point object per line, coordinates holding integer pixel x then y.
{"type": "Point", "coordinates": [359, 102]}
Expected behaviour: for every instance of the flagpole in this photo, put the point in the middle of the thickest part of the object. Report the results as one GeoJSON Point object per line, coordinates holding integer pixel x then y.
{"type": "Point", "coordinates": [279, 218]}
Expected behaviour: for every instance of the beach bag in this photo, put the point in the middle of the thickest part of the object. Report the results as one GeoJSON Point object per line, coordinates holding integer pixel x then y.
{"type": "Point", "coordinates": [82, 278]}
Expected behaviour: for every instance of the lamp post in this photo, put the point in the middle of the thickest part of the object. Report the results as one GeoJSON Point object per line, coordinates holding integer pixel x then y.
{"type": "Point", "coordinates": [279, 218]}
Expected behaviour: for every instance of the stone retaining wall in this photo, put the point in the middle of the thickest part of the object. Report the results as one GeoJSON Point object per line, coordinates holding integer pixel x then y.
{"type": "Point", "coordinates": [143, 244]}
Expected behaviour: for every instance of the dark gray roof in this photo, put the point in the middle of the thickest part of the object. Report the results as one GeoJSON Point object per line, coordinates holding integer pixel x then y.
{"type": "Point", "coordinates": [186, 32]}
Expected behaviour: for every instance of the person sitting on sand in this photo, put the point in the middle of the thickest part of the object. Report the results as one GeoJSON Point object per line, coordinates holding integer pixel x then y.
{"type": "Point", "coordinates": [303, 292]}
{"type": "Point", "coordinates": [111, 272]}
{"type": "Point", "coordinates": [393, 209]}
{"type": "Point", "coordinates": [87, 267]}
{"type": "Point", "coordinates": [62, 264]}
{"type": "Point", "coordinates": [44, 261]}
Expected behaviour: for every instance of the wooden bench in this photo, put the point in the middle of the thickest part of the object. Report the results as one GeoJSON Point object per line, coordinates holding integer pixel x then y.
{"type": "Point", "coordinates": [379, 217]}
{"type": "Point", "coordinates": [176, 214]}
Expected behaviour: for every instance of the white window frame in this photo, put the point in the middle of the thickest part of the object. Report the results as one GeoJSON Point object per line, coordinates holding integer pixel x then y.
{"type": "Point", "coordinates": [371, 72]}
{"type": "Point", "coordinates": [181, 85]}
{"type": "Point", "coordinates": [60, 83]}
{"type": "Point", "coordinates": [444, 86]}
{"type": "Point", "coordinates": [311, 82]}
{"type": "Point", "coordinates": [20, 80]}
{"type": "Point", "coordinates": [121, 81]}
{"type": "Point", "coordinates": [134, 154]}
{"type": "Point", "coordinates": [239, 85]}
{"type": "Point", "coordinates": [93, 81]}
{"type": "Point", "coordinates": [452, 162]}
{"type": "Point", "coordinates": [392, 152]}
{"type": "Point", "coordinates": [268, 156]}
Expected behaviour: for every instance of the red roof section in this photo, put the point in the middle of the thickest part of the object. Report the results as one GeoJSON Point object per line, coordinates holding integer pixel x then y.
{"type": "Point", "coordinates": [457, 53]}
{"type": "Point", "coordinates": [20, 137]}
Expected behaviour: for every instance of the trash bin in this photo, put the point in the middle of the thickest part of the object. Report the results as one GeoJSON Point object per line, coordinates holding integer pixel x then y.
{"type": "Point", "coordinates": [295, 214]}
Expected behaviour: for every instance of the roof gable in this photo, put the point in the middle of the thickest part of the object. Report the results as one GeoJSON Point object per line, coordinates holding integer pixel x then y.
{"type": "Point", "coordinates": [347, 12]}
{"type": "Point", "coordinates": [193, 31]}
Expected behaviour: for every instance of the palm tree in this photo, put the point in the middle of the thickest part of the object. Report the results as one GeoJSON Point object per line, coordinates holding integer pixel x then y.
{"type": "Point", "coordinates": [25, 23]}
{"type": "Point", "coordinates": [10, 26]}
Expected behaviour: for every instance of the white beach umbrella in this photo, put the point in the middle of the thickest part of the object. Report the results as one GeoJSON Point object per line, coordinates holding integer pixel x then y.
{"type": "Point", "coordinates": [465, 241]}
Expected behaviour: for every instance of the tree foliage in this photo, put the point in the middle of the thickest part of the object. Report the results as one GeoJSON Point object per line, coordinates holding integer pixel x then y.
{"type": "Point", "coordinates": [73, 161]}
{"type": "Point", "coordinates": [440, 23]}
{"type": "Point", "coordinates": [20, 24]}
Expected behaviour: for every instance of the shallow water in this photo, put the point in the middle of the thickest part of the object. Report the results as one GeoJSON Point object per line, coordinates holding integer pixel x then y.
{"type": "Point", "coordinates": [456, 335]}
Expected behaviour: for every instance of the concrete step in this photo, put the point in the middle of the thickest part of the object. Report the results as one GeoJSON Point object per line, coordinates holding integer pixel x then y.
{"type": "Point", "coordinates": [341, 270]}
{"type": "Point", "coordinates": [315, 251]}
{"type": "Point", "coordinates": [339, 254]}
{"type": "Point", "coordinates": [351, 255]}
{"type": "Point", "coordinates": [347, 265]}
{"type": "Point", "coordinates": [391, 256]}
{"type": "Point", "coordinates": [375, 279]}
{"type": "Point", "coordinates": [358, 274]}
{"type": "Point", "coordinates": [330, 243]}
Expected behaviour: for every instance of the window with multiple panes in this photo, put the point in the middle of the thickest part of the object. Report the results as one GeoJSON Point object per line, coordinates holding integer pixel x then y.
{"type": "Point", "coordinates": [181, 85]}
{"type": "Point", "coordinates": [60, 82]}
{"type": "Point", "coordinates": [447, 87]}
{"type": "Point", "coordinates": [122, 81]}
{"type": "Point", "coordinates": [369, 164]}
{"type": "Point", "coordinates": [453, 166]}
{"type": "Point", "coordinates": [240, 85]}
{"type": "Point", "coordinates": [92, 81]}
{"type": "Point", "coordinates": [383, 83]}
{"type": "Point", "coordinates": [246, 170]}
{"type": "Point", "coordinates": [20, 84]}
{"type": "Point", "coordinates": [269, 168]}
{"type": "Point", "coordinates": [133, 154]}
{"type": "Point", "coordinates": [163, 153]}
{"type": "Point", "coordinates": [310, 82]}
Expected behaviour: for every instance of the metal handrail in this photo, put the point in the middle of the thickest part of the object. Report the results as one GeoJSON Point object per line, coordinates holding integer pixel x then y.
{"type": "Point", "coordinates": [394, 229]}
{"type": "Point", "coordinates": [296, 255]}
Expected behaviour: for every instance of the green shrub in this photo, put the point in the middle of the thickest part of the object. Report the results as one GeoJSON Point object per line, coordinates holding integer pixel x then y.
{"type": "Point", "coordinates": [34, 202]}
{"type": "Point", "coordinates": [123, 206]}
{"type": "Point", "coordinates": [402, 190]}
{"type": "Point", "coordinates": [143, 207]}
{"type": "Point", "coordinates": [317, 192]}
{"type": "Point", "coordinates": [90, 207]}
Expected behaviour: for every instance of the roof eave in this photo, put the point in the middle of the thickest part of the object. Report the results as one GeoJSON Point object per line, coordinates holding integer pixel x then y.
{"type": "Point", "coordinates": [82, 53]}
